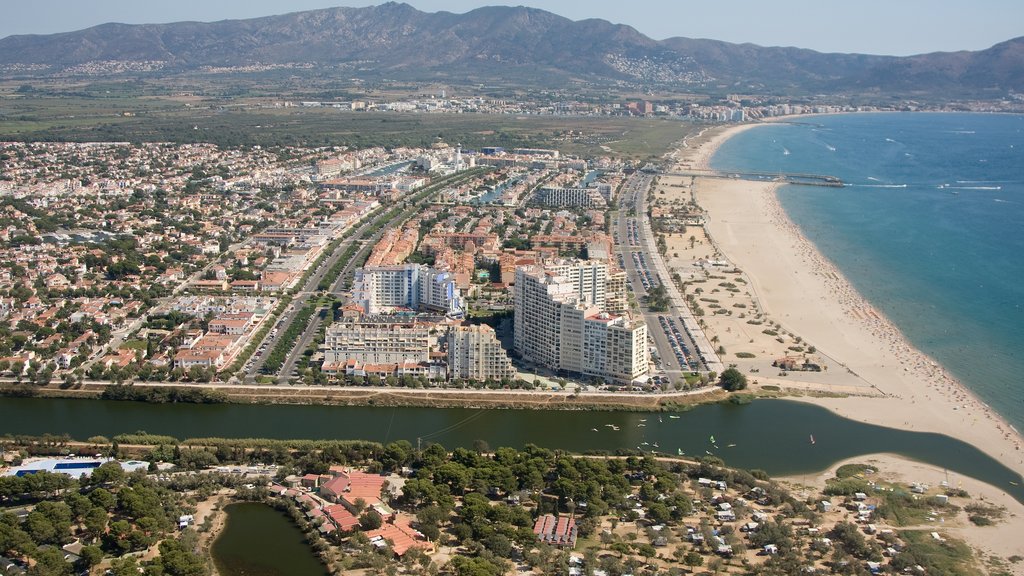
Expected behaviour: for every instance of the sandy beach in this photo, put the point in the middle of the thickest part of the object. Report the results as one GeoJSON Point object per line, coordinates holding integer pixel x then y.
{"type": "Point", "coordinates": [802, 296]}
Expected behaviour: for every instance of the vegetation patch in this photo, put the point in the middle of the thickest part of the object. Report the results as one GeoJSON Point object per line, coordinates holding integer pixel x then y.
{"type": "Point", "coordinates": [854, 469]}
{"type": "Point", "coordinates": [938, 557]}
{"type": "Point", "coordinates": [981, 514]}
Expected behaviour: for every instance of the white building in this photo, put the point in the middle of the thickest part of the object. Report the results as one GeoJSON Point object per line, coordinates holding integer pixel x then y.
{"type": "Point", "coordinates": [475, 353]}
{"type": "Point", "coordinates": [560, 323]}
{"type": "Point", "coordinates": [413, 286]}
{"type": "Point", "coordinates": [376, 343]}
{"type": "Point", "coordinates": [586, 197]}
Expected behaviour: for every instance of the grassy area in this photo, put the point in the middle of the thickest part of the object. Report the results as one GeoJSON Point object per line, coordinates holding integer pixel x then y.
{"type": "Point", "coordinates": [134, 345]}
{"type": "Point", "coordinates": [112, 117]}
{"type": "Point", "coordinates": [903, 509]}
{"type": "Point", "coordinates": [938, 557]}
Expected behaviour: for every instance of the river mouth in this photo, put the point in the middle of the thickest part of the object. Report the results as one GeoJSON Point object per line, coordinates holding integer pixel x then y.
{"type": "Point", "coordinates": [771, 435]}
{"type": "Point", "coordinates": [258, 540]}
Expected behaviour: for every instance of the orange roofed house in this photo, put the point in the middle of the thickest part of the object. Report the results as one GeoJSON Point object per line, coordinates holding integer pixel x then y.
{"type": "Point", "coordinates": [558, 531]}
{"type": "Point", "coordinates": [402, 537]}
{"type": "Point", "coordinates": [349, 486]}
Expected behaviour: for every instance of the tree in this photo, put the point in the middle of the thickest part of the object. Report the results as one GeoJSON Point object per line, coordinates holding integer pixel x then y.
{"type": "Point", "coordinates": [175, 560]}
{"type": "Point", "coordinates": [109, 473]}
{"type": "Point", "coordinates": [95, 521]}
{"type": "Point", "coordinates": [693, 559]}
{"type": "Point", "coordinates": [14, 541]}
{"type": "Point", "coordinates": [370, 520]}
{"type": "Point", "coordinates": [732, 380]}
{"type": "Point", "coordinates": [127, 566]}
{"type": "Point", "coordinates": [49, 562]}
{"type": "Point", "coordinates": [91, 556]}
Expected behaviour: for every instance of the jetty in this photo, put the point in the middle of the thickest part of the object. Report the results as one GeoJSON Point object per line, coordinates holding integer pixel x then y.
{"type": "Point", "coordinates": [780, 177]}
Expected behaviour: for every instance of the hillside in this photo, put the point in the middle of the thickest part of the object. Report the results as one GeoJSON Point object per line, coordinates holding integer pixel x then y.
{"type": "Point", "coordinates": [532, 46]}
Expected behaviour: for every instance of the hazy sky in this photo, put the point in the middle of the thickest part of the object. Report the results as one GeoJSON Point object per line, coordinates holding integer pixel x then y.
{"type": "Point", "coordinates": [895, 27]}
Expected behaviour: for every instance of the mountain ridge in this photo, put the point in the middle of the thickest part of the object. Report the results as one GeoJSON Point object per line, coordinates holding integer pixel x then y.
{"type": "Point", "coordinates": [533, 46]}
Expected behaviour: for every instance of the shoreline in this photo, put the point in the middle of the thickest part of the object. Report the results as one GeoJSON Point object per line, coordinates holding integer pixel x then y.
{"type": "Point", "coordinates": [839, 294]}
{"type": "Point", "coordinates": [807, 295]}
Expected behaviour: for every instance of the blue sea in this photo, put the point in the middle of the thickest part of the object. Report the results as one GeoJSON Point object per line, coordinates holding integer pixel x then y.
{"type": "Point", "coordinates": [930, 228]}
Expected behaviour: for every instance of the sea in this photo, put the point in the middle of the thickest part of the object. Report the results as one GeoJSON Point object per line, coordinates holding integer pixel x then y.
{"type": "Point", "coordinates": [929, 227]}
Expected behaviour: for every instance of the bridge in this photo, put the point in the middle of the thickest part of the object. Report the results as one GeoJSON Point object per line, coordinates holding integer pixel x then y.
{"type": "Point", "coordinates": [780, 177]}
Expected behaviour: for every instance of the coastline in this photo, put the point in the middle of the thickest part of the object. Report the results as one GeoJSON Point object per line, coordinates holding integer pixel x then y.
{"type": "Point", "coordinates": [798, 279]}
{"type": "Point", "coordinates": [801, 290]}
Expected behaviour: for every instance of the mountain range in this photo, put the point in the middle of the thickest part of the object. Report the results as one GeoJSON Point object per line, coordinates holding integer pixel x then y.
{"type": "Point", "coordinates": [531, 47]}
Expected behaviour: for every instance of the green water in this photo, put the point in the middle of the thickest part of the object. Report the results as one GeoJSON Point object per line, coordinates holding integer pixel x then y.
{"type": "Point", "coordinates": [773, 435]}
{"type": "Point", "coordinates": [261, 541]}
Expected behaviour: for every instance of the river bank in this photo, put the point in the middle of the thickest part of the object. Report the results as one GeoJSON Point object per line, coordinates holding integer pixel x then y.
{"type": "Point", "coordinates": [420, 397]}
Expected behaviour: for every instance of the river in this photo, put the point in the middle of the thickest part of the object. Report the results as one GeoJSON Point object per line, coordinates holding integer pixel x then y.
{"type": "Point", "coordinates": [773, 435]}
{"type": "Point", "coordinates": [261, 541]}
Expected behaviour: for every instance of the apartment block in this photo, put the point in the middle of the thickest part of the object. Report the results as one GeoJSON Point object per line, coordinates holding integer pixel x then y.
{"type": "Point", "coordinates": [376, 343]}
{"type": "Point", "coordinates": [586, 197]}
{"type": "Point", "coordinates": [475, 353]}
{"type": "Point", "coordinates": [561, 323]}
{"type": "Point", "coordinates": [411, 286]}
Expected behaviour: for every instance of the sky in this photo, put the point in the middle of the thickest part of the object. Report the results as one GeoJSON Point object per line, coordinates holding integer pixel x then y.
{"type": "Point", "coordinates": [890, 27]}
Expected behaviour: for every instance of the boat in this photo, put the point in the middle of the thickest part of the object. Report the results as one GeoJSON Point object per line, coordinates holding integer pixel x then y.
{"type": "Point", "coordinates": [812, 438]}
{"type": "Point", "coordinates": [594, 429]}
{"type": "Point", "coordinates": [674, 417]}
{"type": "Point", "coordinates": [643, 419]}
{"type": "Point", "coordinates": [679, 451]}
{"type": "Point", "coordinates": [641, 425]}
{"type": "Point", "coordinates": [730, 446]}
{"type": "Point", "coordinates": [656, 445]}
{"type": "Point", "coordinates": [713, 439]}
{"type": "Point", "coordinates": [659, 419]}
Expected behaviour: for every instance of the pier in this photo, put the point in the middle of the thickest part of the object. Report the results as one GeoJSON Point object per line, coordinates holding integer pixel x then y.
{"type": "Point", "coordinates": [780, 177]}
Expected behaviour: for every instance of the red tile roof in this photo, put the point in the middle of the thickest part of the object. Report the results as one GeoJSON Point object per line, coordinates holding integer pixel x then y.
{"type": "Point", "coordinates": [558, 531]}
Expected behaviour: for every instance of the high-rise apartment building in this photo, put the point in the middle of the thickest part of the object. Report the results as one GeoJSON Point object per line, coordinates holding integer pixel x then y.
{"type": "Point", "coordinates": [561, 323]}
{"type": "Point", "coordinates": [474, 353]}
{"type": "Point", "coordinates": [369, 342]}
{"type": "Point", "coordinates": [413, 286]}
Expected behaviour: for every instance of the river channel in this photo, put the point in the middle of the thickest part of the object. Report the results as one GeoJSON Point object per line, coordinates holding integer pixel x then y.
{"type": "Point", "coordinates": [261, 541]}
{"type": "Point", "coordinates": [773, 435]}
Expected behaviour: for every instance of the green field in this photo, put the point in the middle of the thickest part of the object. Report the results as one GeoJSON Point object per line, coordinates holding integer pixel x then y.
{"type": "Point", "coordinates": [35, 117]}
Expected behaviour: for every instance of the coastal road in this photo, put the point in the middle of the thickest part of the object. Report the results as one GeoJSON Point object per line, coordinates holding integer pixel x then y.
{"type": "Point", "coordinates": [673, 336]}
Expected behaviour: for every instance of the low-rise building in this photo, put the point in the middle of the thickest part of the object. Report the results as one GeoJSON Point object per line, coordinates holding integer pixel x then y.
{"type": "Point", "coordinates": [558, 531]}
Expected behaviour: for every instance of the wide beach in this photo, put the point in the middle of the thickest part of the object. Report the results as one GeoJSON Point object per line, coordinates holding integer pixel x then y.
{"type": "Point", "coordinates": [804, 295]}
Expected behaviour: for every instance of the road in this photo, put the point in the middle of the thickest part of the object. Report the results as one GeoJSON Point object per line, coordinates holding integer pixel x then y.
{"type": "Point", "coordinates": [678, 339]}
{"type": "Point", "coordinates": [309, 289]}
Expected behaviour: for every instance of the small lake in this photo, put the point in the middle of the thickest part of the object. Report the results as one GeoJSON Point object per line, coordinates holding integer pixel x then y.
{"type": "Point", "coordinates": [261, 541]}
